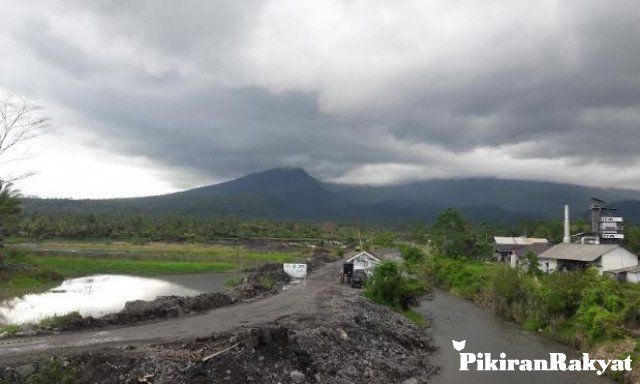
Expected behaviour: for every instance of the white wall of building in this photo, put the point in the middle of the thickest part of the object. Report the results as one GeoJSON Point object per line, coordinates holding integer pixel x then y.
{"type": "Point", "coordinates": [633, 277]}
{"type": "Point", "coordinates": [616, 259]}
{"type": "Point", "coordinates": [548, 265]}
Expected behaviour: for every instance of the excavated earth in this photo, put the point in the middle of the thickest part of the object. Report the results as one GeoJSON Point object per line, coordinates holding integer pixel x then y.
{"type": "Point", "coordinates": [348, 340]}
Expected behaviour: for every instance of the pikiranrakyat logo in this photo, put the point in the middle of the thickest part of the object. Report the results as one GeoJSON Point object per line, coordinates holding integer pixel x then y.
{"type": "Point", "coordinates": [484, 361]}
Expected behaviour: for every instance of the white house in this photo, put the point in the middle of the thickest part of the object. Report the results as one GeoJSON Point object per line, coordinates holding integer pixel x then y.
{"type": "Point", "coordinates": [363, 260]}
{"type": "Point", "coordinates": [630, 274]}
{"type": "Point", "coordinates": [604, 257]}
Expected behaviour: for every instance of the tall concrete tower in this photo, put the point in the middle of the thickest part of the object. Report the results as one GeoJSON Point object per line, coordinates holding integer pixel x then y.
{"type": "Point", "coordinates": [567, 230]}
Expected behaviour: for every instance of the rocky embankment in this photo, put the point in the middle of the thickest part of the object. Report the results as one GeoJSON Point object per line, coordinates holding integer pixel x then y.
{"type": "Point", "coordinates": [350, 340]}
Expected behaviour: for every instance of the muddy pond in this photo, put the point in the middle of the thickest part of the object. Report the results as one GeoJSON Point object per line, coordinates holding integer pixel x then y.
{"type": "Point", "coordinates": [99, 295]}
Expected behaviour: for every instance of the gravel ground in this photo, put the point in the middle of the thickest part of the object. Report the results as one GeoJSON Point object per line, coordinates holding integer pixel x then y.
{"type": "Point", "coordinates": [348, 340]}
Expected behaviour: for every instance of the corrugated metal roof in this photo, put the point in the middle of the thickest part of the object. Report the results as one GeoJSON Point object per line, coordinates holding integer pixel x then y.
{"type": "Point", "coordinates": [634, 269]}
{"type": "Point", "coordinates": [365, 254]}
{"type": "Point", "coordinates": [500, 240]}
{"type": "Point", "coordinates": [578, 252]}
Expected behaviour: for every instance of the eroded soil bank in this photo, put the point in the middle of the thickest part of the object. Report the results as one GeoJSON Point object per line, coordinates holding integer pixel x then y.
{"type": "Point", "coordinates": [348, 340]}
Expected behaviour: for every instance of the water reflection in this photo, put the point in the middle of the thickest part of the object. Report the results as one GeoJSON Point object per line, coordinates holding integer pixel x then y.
{"type": "Point", "coordinates": [94, 295]}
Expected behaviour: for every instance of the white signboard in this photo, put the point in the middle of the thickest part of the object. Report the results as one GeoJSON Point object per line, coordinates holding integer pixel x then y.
{"type": "Point", "coordinates": [612, 236]}
{"type": "Point", "coordinates": [611, 219]}
{"type": "Point", "coordinates": [609, 226]}
{"type": "Point", "coordinates": [297, 271]}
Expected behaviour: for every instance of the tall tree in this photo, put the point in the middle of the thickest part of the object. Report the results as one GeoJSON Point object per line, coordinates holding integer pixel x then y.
{"type": "Point", "coordinates": [9, 205]}
{"type": "Point", "coordinates": [20, 120]}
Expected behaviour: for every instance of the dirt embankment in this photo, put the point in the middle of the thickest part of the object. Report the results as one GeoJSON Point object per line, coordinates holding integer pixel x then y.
{"type": "Point", "coordinates": [262, 281]}
{"type": "Point", "coordinates": [350, 341]}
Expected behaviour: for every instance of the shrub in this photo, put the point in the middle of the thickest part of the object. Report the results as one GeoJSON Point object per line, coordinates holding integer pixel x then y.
{"type": "Point", "coordinates": [389, 286]}
{"type": "Point", "coordinates": [531, 264]}
{"type": "Point", "coordinates": [412, 254]}
{"type": "Point", "coordinates": [60, 322]}
{"type": "Point", "coordinates": [601, 314]}
{"type": "Point", "coordinates": [10, 329]}
{"type": "Point", "coordinates": [267, 282]}
{"type": "Point", "coordinates": [55, 370]}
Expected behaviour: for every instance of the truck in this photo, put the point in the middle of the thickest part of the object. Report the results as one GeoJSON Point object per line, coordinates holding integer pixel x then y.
{"type": "Point", "coordinates": [353, 276]}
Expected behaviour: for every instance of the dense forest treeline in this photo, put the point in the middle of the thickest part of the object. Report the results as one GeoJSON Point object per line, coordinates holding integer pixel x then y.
{"type": "Point", "coordinates": [175, 228]}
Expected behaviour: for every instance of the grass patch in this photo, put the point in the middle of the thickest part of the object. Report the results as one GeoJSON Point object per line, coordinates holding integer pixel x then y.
{"type": "Point", "coordinates": [159, 251]}
{"type": "Point", "coordinates": [267, 282]}
{"type": "Point", "coordinates": [21, 277]}
{"type": "Point", "coordinates": [416, 317]}
{"type": "Point", "coordinates": [234, 281]}
{"type": "Point", "coordinates": [60, 322]}
{"type": "Point", "coordinates": [10, 329]}
{"type": "Point", "coordinates": [81, 266]}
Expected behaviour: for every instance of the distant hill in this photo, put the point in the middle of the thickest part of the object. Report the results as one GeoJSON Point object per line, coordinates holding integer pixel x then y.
{"type": "Point", "coordinates": [291, 193]}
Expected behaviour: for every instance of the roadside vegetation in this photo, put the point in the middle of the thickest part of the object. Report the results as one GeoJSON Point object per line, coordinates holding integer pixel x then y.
{"type": "Point", "coordinates": [579, 308]}
{"type": "Point", "coordinates": [390, 285]}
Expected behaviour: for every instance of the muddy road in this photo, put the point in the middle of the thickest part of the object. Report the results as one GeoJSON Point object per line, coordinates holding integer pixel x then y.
{"type": "Point", "coordinates": [455, 318]}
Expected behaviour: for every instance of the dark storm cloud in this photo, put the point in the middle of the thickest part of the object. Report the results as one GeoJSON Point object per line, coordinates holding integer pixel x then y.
{"type": "Point", "coordinates": [219, 88]}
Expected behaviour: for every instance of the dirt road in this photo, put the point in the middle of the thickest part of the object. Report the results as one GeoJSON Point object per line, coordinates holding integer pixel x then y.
{"type": "Point", "coordinates": [304, 298]}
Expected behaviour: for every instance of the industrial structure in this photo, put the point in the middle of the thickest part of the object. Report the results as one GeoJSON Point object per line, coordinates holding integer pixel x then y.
{"type": "Point", "coordinates": [600, 248]}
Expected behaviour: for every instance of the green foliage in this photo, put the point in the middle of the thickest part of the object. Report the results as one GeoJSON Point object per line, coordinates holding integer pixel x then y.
{"type": "Point", "coordinates": [453, 236]}
{"type": "Point", "coordinates": [412, 254]}
{"type": "Point", "coordinates": [9, 206]}
{"type": "Point", "coordinates": [601, 310]}
{"type": "Point", "coordinates": [83, 266]}
{"type": "Point", "coordinates": [9, 329]}
{"type": "Point", "coordinates": [55, 370]}
{"type": "Point", "coordinates": [578, 307]}
{"type": "Point", "coordinates": [416, 317]}
{"type": "Point", "coordinates": [173, 228]}
{"type": "Point", "coordinates": [531, 264]}
{"type": "Point", "coordinates": [383, 240]}
{"type": "Point", "coordinates": [267, 282]}
{"type": "Point", "coordinates": [632, 238]}
{"type": "Point", "coordinates": [60, 322]}
{"type": "Point", "coordinates": [234, 281]}
{"type": "Point", "coordinates": [389, 286]}
{"type": "Point", "coordinates": [23, 277]}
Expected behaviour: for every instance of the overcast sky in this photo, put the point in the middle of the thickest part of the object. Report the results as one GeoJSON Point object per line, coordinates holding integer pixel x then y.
{"type": "Point", "coordinates": [148, 97]}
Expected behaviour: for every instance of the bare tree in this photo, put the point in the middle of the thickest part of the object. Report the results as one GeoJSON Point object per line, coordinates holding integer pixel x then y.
{"type": "Point", "coordinates": [20, 120]}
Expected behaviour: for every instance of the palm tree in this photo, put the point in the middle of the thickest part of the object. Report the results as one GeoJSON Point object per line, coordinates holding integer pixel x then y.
{"type": "Point", "coordinates": [9, 205]}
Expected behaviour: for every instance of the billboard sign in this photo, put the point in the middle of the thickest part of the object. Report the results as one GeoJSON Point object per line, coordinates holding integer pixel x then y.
{"type": "Point", "coordinates": [611, 219]}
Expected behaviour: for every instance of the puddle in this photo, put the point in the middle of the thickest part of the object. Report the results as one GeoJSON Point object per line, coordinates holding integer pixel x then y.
{"type": "Point", "coordinates": [103, 294]}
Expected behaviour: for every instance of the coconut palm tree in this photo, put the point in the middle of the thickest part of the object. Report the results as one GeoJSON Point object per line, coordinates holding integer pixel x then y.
{"type": "Point", "coordinates": [9, 205]}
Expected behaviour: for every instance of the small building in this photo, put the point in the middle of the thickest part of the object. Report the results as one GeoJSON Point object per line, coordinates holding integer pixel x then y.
{"type": "Point", "coordinates": [511, 249]}
{"type": "Point", "coordinates": [603, 257]}
{"type": "Point", "coordinates": [363, 260]}
{"type": "Point", "coordinates": [629, 274]}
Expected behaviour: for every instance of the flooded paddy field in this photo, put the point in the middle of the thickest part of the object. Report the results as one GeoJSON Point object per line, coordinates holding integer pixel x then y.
{"type": "Point", "coordinates": [100, 295]}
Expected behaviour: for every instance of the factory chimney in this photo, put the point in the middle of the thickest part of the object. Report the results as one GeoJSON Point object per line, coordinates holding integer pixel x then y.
{"type": "Point", "coordinates": [567, 234]}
